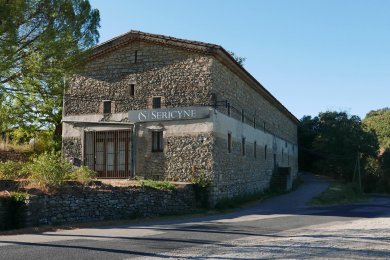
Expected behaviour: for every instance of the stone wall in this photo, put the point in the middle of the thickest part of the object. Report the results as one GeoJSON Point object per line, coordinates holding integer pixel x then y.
{"type": "Point", "coordinates": [188, 156]}
{"type": "Point", "coordinates": [229, 86]}
{"type": "Point", "coordinates": [183, 156]}
{"type": "Point", "coordinates": [180, 77]}
{"type": "Point", "coordinates": [3, 214]}
{"type": "Point", "coordinates": [73, 148]}
{"type": "Point", "coordinates": [85, 205]}
{"type": "Point", "coordinates": [237, 174]}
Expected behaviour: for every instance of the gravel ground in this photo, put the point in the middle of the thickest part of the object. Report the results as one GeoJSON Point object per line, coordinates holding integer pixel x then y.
{"type": "Point", "coordinates": [360, 239]}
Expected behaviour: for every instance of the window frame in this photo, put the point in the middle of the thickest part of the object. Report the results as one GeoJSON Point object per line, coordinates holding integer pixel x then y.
{"type": "Point", "coordinates": [132, 90]}
{"type": "Point", "coordinates": [229, 143]}
{"type": "Point", "coordinates": [153, 100]}
{"type": "Point", "coordinates": [243, 146]}
{"type": "Point", "coordinates": [107, 109]}
{"type": "Point", "coordinates": [157, 141]}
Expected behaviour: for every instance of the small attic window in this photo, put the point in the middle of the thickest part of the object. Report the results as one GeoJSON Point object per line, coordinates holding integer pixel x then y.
{"type": "Point", "coordinates": [132, 89]}
{"type": "Point", "coordinates": [107, 106]}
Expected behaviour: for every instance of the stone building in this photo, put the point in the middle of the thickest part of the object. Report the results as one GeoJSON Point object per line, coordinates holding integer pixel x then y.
{"type": "Point", "coordinates": [157, 107]}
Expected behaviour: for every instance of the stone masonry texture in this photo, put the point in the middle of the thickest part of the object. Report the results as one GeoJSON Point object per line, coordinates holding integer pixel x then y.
{"type": "Point", "coordinates": [185, 77]}
{"type": "Point", "coordinates": [89, 204]}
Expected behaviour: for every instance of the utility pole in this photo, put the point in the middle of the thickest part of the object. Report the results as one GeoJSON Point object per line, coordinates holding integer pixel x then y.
{"type": "Point", "coordinates": [357, 172]}
{"type": "Point", "coordinates": [360, 175]}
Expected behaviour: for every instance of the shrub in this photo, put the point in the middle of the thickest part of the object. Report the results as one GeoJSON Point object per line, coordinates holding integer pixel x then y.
{"type": "Point", "coordinates": [158, 185]}
{"type": "Point", "coordinates": [44, 141]}
{"type": "Point", "coordinates": [82, 174]}
{"type": "Point", "coordinates": [11, 170]}
{"type": "Point", "coordinates": [199, 177]}
{"type": "Point", "coordinates": [48, 170]}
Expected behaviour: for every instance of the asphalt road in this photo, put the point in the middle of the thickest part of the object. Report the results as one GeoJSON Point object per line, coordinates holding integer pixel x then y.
{"type": "Point", "coordinates": [249, 233]}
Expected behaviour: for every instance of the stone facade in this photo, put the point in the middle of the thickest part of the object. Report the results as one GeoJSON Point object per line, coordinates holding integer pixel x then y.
{"type": "Point", "coordinates": [132, 69]}
{"type": "Point", "coordinates": [180, 76]}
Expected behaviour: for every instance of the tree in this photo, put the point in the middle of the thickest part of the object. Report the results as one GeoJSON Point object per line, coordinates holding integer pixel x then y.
{"type": "Point", "coordinates": [335, 138]}
{"type": "Point", "coordinates": [42, 42]}
{"type": "Point", "coordinates": [240, 60]}
{"type": "Point", "coordinates": [379, 122]}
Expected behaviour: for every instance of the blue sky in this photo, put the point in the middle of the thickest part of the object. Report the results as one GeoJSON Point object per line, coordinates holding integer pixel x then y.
{"type": "Point", "coordinates": [312, 56]}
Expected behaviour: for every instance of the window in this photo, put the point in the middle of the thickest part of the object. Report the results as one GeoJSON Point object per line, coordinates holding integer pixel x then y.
{"type": "Point", "coordinates": [265, 153]}
{"type": "Point", "coordinates": [242, 115]}
{"type": "Point", "coordinates": [254, 122]}
{"type": "Point", "coordinates": [282, 154]}
{"type": "Point", "coordinates": [135, 56]}
{"type": "Point", "coordinates": [156, 102]}
{"type": "Point", "coordinates": [255, 149]}
{"type": "Point", "coordinates": [275, 163]}
{"type": "Point", "coordinates": [286, 144]}
{"type": "Point", "coordinates": [243, 146]}
{"type": "Point", "coordinates": [157, 141]}
{"type": "Point", "coordinates": [229, 143]}
{"type": "Point", "coordinates": [132, 89]}
{"type": "Point", "coordinates": [107, 107]}
{"type": "Point", "coordinates": [264, 126]}
{"type": "Point", "coordinates": [229, 110]}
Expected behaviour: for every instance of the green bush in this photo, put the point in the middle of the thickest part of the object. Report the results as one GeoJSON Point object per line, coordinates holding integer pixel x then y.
{"type": "Point", "coordinates": [10, 170]}
{"type": "Point", "coordinates": [44, 141]}
{"type": "Point", "coordinates": [48, 170]}
{"type": "Point", "coordinates": [82, 174]}
{"type": "Point", "coordinates": [158, 185]}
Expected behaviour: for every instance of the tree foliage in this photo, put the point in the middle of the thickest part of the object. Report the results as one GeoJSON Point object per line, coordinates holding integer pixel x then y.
{"type": "Point", "coordinates": [379, 122]}
{"type": "Point", "coordinates": [329, 143]}
{"type": "Point", "coordinates": [42, 42]}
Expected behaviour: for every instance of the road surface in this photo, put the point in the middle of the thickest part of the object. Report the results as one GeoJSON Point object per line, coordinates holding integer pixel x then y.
{"type": "Point", "coordinates": [281, 227]}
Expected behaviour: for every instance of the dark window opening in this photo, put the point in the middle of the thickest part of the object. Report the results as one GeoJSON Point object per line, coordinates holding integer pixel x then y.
{"type": "Point", "coordinates": [156, 102]}
{"type": "Point", "coordinates": [229, 110]}
{"type": "Point", "coordinates": [157, 141]}
{"type": "Point", "coordinates": [265, 153]}
{"type": "Point", "coordinates": [135, 56]}
{"type": "Point", "coordinates": [229, 142]}
{"type": "Point", "coordinates": [255, 149]}
{"type": "Point", "coordinates": [264, 126]}
{"type": "Point", "coordinates": [243, 116]}
{"type": "Point", "coordinates": [107, 107]}
{"type": "Point", "coordinates": [132, 90]}
{"type": "Point", "coordinates": [254, 122]}
{"type": "Point", "coordinates": [243, 146]}
{"type": "Point", "coordinates": [275, 163]}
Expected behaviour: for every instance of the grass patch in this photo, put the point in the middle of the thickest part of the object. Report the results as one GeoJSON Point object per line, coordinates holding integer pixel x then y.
{"type": "Point", "coordinates": [339, 193]}
{"type": "Point", "coordinates": [158, 185]}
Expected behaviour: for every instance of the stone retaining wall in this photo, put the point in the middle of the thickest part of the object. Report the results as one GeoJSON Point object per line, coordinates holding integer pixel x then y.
{"type": "Point", "coordinates": [89, 204]}
{"type": "Point", "coordinates": [2, 215]}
